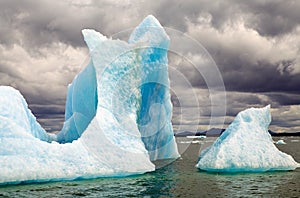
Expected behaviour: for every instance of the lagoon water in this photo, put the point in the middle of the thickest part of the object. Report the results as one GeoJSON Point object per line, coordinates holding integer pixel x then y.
{"type": "Point", "coordinates": [177, 179]}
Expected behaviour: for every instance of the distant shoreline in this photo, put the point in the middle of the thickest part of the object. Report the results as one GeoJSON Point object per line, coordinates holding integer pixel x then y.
{"type": "Point", "coordinates": [285, 134]}
{"type": "Point", "coordinates": [215, 132]}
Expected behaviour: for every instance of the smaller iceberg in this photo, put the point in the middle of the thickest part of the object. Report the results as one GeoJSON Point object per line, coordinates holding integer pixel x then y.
{"type": "Point", "coordinates": [246, 146]}
{"type": "Point", "coordinates": [280, 142]}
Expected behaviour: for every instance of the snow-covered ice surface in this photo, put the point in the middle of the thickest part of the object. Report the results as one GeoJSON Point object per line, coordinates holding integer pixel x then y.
{"type": "Point", "coordinates": [246, 146]}
{"type": "Point", "coordinates": [110, 127]}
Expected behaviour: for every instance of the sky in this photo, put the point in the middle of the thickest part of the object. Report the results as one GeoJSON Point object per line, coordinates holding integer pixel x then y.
{"type": "Point", "coordinates": [254, 44]}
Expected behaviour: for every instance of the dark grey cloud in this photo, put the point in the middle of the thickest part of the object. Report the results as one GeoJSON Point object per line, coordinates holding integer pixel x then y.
{"type": "Point", "coordinates": [40, 23]}
{"type": "Point", "coordinates": [48, 21]}
{"type": "Point", "coordinates": [244, 76]}
{"type": "Point", "coordinates": [285, 99]}
{"type": "Point", "coordinates": [268, 18]}
{"type": "Point", "coordinates": [272, 18]}
{"type": "Point", "coordinates": [250, 62]}
{"type": "Point", "coordinates": [261, 77]}
{"type": "Point", "coordinates": [254, 52]}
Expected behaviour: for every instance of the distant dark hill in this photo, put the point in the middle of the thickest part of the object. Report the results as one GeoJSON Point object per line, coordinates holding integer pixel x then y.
{"type": "Point", "coordinates": [199, 133]}
{"type": "Point", "coordinates": [284, 134]}
{"type": "Point", "coordinates": [272, 133]}
{"type": "Point", "coordinates": [185, 133]}
{"type": "Point", "coordinates": [214, 132]}
{"type": "Point", "coordinates": [210, 133]}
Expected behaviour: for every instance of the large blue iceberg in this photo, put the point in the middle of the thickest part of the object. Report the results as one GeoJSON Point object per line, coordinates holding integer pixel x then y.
{"type": "Point", "coordinates": [246, 146]}
{"type": "Point", "coordinates": [117, 118]}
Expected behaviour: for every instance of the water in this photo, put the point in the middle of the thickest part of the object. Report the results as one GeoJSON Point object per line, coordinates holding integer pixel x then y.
{"type": "Point", "coordinates": [179, 179]}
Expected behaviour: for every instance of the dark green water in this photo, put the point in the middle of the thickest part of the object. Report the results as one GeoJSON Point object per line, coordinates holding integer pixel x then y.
{"type": "Point", "coordinates": [178, 179]}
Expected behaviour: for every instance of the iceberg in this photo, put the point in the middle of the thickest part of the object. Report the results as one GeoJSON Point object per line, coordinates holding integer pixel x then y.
{"type": "Point", "coordinates": [117, 117]}
{"type": "Point", "coordinates": [280, 142]}
{"type": "Point", "coordinates": [246, 146]}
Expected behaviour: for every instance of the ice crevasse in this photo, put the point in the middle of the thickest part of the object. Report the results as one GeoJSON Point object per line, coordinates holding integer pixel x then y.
{"type": "Point", "coordinates": [246, 146]}
{"type": "Point", "coordinates": [117, 118]}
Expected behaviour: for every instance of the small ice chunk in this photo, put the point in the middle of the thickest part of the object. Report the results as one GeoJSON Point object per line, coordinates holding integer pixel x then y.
{"type": "Point", "coordinates": [280, 142]}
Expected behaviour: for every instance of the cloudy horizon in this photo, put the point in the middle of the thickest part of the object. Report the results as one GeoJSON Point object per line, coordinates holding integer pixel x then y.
{"type": "Point", "coordinates": [255, 45]}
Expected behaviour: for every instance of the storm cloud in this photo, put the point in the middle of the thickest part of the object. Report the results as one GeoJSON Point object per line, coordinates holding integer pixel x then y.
{"type": "Point", "coordinates": [255, 44]}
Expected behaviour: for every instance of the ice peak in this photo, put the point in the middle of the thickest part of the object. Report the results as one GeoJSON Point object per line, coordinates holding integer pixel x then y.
{"type": "Point", "coordinates": [92, 38]}
{"type": "Point", "coordinates": [150, 30]}
{"type": "Point", "coordinates": [256, 115]}
{"type": "Point", "coordinates": [150, 20]}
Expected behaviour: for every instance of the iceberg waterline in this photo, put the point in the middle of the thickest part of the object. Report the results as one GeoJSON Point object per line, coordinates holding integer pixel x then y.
{"type": "Point", "coordinates": [117, 118]}
{"type": "Point", "coordinates": [246, 146]}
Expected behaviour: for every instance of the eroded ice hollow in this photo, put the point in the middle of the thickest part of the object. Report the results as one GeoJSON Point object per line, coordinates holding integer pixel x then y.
{"type": "Point", "coordinates": [246, 146]}
{"type": "Point", "coordinates": [117, 119]}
